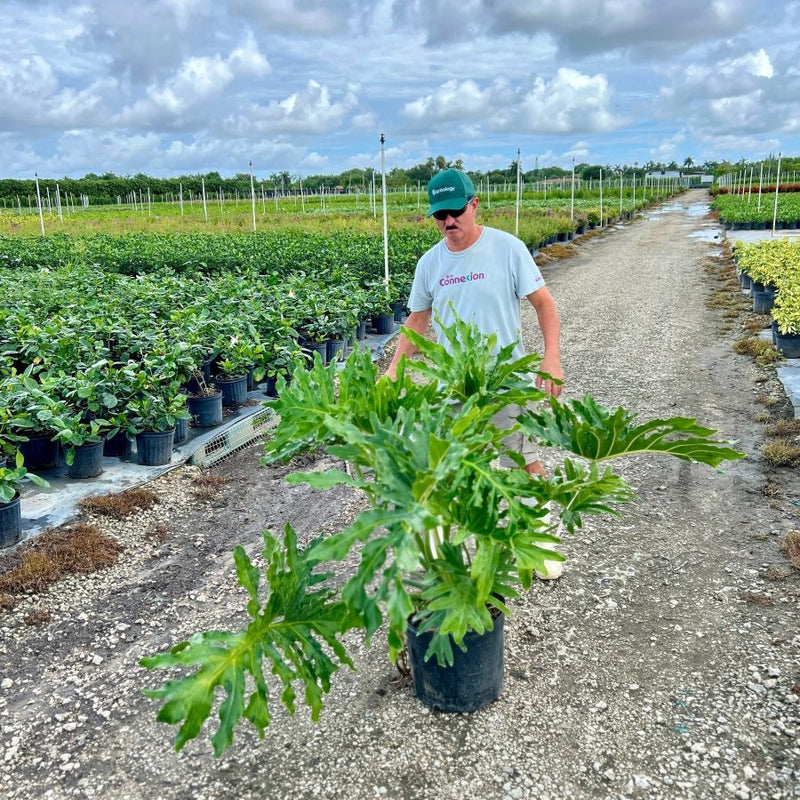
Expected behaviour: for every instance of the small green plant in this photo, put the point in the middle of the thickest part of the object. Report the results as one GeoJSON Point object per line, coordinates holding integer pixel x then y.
{"type": "Point", "coordinates": [12, 477]}
{"type": "Point", "coordinates": [446, 536]}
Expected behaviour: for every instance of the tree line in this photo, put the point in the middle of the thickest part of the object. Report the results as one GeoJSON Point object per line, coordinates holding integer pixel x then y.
{"type": "Point", "coordinates": [110, 189]}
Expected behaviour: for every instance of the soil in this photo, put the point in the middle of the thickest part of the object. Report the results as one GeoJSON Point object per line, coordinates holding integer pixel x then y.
{"type": "Point", "coordinates": [665, 663]}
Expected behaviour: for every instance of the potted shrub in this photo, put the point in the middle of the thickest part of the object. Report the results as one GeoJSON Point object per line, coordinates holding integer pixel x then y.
{"type": "Point", "coordinates": [204, 401]}
{"type": "Point", "coordinates": [10, 512]}
{"type": "Point", "coordinates": [786, 314]}
{"type": "Point", "coordinates": [153, 415]}
{"type": "Point", "coordinates": [448, 537]}
{"type": "Point", "coordinates": [379, 307]}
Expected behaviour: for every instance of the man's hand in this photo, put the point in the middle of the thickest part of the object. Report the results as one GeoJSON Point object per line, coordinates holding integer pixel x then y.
{"type": "Point", "coordinates": [553, 368]}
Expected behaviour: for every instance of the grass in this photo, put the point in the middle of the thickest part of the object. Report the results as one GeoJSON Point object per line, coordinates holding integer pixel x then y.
{"type": "Point", "coordinates": [119, 506]}
{"type": "Point", "coordinates": [77, 549]}
{"type": "Point", "coordinates": [207, 486]}
{"type": "Point", "coordinates": [754, 599]}
{"type": "Point", "coordinates": [784, 427]}
{"type": "Point", "coordinates": [783, 451]}
{"type": "Point", "coordinates": [790, 547]}
{"type": "Point", "coordinates": [761, 350]}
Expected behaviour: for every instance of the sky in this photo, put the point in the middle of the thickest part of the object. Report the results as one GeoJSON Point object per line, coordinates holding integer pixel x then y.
{"type": "Point", "coordinates": [178, 87]}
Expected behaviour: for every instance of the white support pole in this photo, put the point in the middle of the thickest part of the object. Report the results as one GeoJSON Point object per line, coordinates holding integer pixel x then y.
{"type": "Point", "coordinates": [58, 204]}
{"type": "Point", "coordinates": [601, 197]}
{"type": "Point", "coordinates": [252, 196]}
{"type": "Point", "coordinates": [572, 194]}
{"type": "Point", "coordinates": [385, 219]}
{"type": "Point", "coordinates": [760, 181]}
{"type": "Point", "coordinates": [777, 188]}
{"type": "Point", "coordinates": [516, 221]}
{"type": "Point", "coordinates": [39, 202]}
{"type": "Point", "coordinates": [205, 207]}
{"type": "Point", "coordinates": [180, 196]}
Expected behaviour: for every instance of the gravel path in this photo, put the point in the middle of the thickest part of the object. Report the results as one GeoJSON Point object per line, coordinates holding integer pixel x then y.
{"type": "Point", "coordinates": [664, 664]}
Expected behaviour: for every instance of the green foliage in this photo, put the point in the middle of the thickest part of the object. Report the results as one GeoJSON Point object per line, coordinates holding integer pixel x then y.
{"type": "Point", "coordinates": [11, 477]}
{"type": "Point", "coordinates": [447, 533]}
{"type": "Point", "coordinates": [290, 628]}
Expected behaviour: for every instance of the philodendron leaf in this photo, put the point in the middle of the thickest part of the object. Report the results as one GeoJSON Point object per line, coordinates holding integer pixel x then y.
{"type": "Point", "coordinates": [296, 629]}
{"type": "Point", "coordinates": [597, 433]}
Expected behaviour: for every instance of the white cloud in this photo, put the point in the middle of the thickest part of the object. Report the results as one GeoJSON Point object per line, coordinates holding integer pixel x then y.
{"type": "Point", "coordinates": [302, 17]}
{"type": "Point", "coordinates": [571, 103]}
{"type": "Point", "coordinates": [457, 101]}
{"type": "Point", "coordinates": [580, 27]}
{"type": "Point", "coordinates": [307, 112]}
{"type": "Point", "coordinates": [196, 81]}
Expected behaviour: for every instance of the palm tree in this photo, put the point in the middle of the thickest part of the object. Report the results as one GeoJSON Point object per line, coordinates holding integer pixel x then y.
{"type": "Point", "coordinates": [688, 162]}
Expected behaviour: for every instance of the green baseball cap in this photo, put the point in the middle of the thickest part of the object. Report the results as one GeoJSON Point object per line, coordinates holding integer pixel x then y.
{"type": "Point", "coordinates": [449, 190]}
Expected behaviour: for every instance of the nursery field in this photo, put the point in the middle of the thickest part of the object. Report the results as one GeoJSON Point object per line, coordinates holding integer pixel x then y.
{"type": "Point", "coordinates": [111, 324]}
{"type": "Point", "coordinates": [663, 664]}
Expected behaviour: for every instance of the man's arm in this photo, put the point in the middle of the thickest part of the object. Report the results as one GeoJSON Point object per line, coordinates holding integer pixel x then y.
{"type": "Point", "coordinates": [417, 321]}
{"type": "Point", "coordinates": [545, 307]}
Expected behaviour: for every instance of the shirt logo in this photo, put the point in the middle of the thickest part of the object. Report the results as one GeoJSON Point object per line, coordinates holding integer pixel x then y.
{"type": "Point", "coordinates": [452, 280]}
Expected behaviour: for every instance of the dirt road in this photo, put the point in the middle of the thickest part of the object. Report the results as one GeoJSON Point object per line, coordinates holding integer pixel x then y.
{"type": "Point", "coordinates": [664, 664]}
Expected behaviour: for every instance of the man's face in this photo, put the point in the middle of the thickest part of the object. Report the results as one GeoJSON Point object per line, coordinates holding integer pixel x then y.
{"type": "Point", "coordinates": [457, 226]}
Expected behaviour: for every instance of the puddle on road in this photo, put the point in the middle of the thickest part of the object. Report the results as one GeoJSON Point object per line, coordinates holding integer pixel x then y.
{"type": "Point", "coordinates": [690, 209]}
{"type": "Point", "coordinates": [711, 233]}
{"type": "Point", "coordinates": [707, 235]}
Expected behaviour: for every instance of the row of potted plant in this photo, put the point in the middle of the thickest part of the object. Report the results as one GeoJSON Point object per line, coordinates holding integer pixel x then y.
{"type": "Point", "coordinates": [774, 264]}
{"type": "Point", "coordinates": [751, 211]}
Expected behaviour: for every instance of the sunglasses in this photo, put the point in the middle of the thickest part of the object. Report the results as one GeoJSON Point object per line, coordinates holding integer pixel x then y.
{"type": "Point", "coordinates": [455, 214]}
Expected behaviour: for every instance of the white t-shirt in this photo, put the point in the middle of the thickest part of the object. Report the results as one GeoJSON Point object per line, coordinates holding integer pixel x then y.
{"type": "Point", "coordinates": [484, 283]}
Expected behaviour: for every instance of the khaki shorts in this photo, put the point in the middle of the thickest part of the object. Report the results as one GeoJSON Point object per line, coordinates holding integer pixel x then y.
{"type": "Point", "coordinates": [515, 441]}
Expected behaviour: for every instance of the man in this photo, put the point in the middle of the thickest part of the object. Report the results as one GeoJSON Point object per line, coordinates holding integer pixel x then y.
{"type": "Point", "coordinates": [481, 273]}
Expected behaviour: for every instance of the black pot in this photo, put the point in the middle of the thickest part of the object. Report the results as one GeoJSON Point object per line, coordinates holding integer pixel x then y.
{"type": "Point", "coordinates": [10, 522]}
{"type": "Point", "coordinates": [154, 448]}
{"type": "Point", "coordinates": [181, 431]}
{"type": "Point", "coordinates": [234, 390]}
{"type": "Point", "coordinates": [763, 301]}
{"type": "Point", "coordinates": [383, 323]}
{"type": "Point", "coordinates": [271, 384]}
{"type": "Point", "coordinates": [206, 410]}
{"type": "Point", "coordinates": [475, 678]}
{"type": "Point", "coordinates": [118, 446]}
{"type": "Point", "coordinates": [788, 344]}
{"type": "Point", "coordinates": [88, 462]}
{"type": "Point", "coordinates": [40, 452]}
{"type": "Point", "coordinates": [309, 348]}
{"type": "Point", "coordinates": [335, 349]}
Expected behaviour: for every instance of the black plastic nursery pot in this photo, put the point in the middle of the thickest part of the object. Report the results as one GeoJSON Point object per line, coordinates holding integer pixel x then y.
{"type": "Point", "coordinates": [88, 461]}
{"type": "Point", "coordinates": [181, 431]}
{"type": "Point", "coordinates": [154, 448]}
{"type": "Point", "coordinates": [10, 522]}
{"type": "Point", "coordinates": [335, 349]}
{"type": "Point", "coordinates": [206, 410]}
{"type": "Point", "coordinates": [383, 323]}
{"type": "Point", "coordinates": [118, 446]}
{"type": "Point", "coordinates": [475, 678]}
{"type": "Point", "coordinates": [234, 390]}
{"type": "Point", "coordinates": [40, 452]}
{"type": "Point", "coordinates": [788, 344]}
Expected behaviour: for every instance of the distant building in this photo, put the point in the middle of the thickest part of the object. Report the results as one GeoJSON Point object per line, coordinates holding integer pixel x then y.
{"type": "Point", "coordinates": [689, 178]}
{"type": "Point", "coordinates": [663, 174]}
